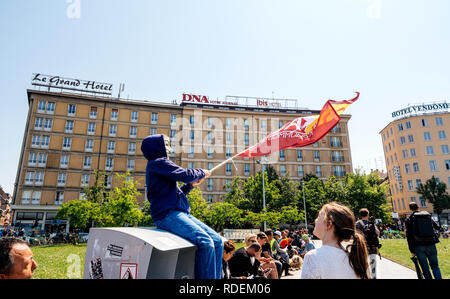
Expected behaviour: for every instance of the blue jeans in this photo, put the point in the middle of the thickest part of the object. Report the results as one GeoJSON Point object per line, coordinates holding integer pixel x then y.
{"type": "Point", "coordinates": [208, 258]}
{"type": "Point", "coordinates": [427, 254]}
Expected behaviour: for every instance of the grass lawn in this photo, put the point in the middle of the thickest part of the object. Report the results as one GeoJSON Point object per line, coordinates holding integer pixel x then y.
{"type": "Point", "coordinates": [397, 250]}
{"type": "Point", "coordinates": [59, 261]}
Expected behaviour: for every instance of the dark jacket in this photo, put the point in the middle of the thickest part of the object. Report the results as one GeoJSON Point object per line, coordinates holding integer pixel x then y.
{"type": "Point", "coordinates": [162, 176]}
{"type": "Point", "coordinates": [412, 242]}
{"type": "Point", "coordinates": [240, 264]}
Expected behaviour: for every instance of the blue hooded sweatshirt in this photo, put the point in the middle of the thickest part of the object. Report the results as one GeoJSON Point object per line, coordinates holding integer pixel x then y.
{"type": "Point", "coordinates": [162, 176]}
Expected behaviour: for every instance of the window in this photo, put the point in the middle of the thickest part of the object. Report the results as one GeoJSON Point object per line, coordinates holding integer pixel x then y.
{"type": "Point", "coordinates": [447, 164]}
{"type": "Point", "coordinates": [402, 140]}
{"type": "Point", "coordinates": [72, 109]}
{"type": "Point", "coordinates": [85, 180]}
{"type": "Point", "coordinates": [154, 118]}
{"type": "Point", "coordinates": [408, 125]}
{"type": "Point", "coordinates": [64, 161]}
{"type": "Point", "coordinates": [93, 113]}
{"type": "Point", "coordinates": [228, 185]}
{"type": "Point", "coordinates": [418, 183]}
{"type": "Point", "coordinates": [316, 144]}
{"type": "Point", "coordinates": [263, 124]}
{"type": "Point", "coordinates": [41, 107]}
{"type": "Point", "coordinates": [430, 150]}
{"type": "Point", "coordinates": [210, 152]}
{"type": "Point", "coordinates": [133, 132]}
{"type": "Point", "coordinates": [89, 145]}
{"type": "Point", "coordinates": [210, 198]}
{"type": "Point", "coordinates": [407, 168]}
{"type": "Point", "coordinates": [32, 158]}
{"type": "Point", "coordinates": [191, 120]}
{"type": "Point", "coordinates": [87, 162]}
{"type": "Point", "coordinates": [192, 137]}
{"type": "Point", "coordinates": [91, 129]}
{"type": "Point", "coordinates": [412, 152]}
{"type": "Point", "coordinates": [228, 153]}
{"type": "Point", "coordinates": [45, 141]}
{"type": "Point", "coordinates": [36, 198]}
{"type": "Point", "coordinates": [209, 185]}
{"type": "Point", "coordinates": [318, 171]}
{"type": "Point", "coordinates": [316, 156]}
{"type": "Point", "coordinates": [29, 178]}
{"type": "Point", "coordinates": [247, 169]}
{"type": "Point", "coordinates": [210, 122]}
{"type": "Point", "coordinates": [442, 135]}
{"type": "Point", "coordinates": [112, 130]}
{"type": "Point", "coordinates": [300, 171]}
{"type": "Point", "coordinates": [26, 197]}
{"type": "Point", "coordinates": [62, 179]}
{"type": "Point", "coordinates": [211, 137]}
{"type": "Point", "coordinates": [246, 139]}
{"type": "Point", "coordinates": [111, 147]}
{"type": "Point", "coordinates": [282, 155]}
{"type": "Point", "coordinates": [69, 126]}
{"type": "Point", "coordinates": [424, 123]}
{"type": "Point", "coordinates": [405, 154]}
{"type": "Point", "coordinates": [337, 129]}
{"type": "Point", "coordinates": [59, 199]}
{"type": "Point", "coordinates": [410, 185]}
{"type": "Point", "coordinates": [299, 155]}
{"type": "Point", "coordinates": [439, 121]}
{"type": "Point", "coordinates": [246, 126]}
{"type": "Point", "coordinates": [228, 168]}
{"type": "Point", "coordinates": [191, 152]}
{"type": "Point", "coordinates": [400, 127]}
{"type": "Point", "coordinates": [67, 142]}
{"type": "Point", "coordinates": [280, 124]}
{"type": "Point", "coordinates": [444, 149]}
{"type": "Point", "coordinates": [282, 170]}
{"type": "Point", "coordinates": [228, 138]}
{"type": "Point", "coordinates": [134, 116]}
{"type": "Point", "coordinates": [191, 165]}
{"type": "Point", "coordinates": [108, 181]}
{"type": "Point", "coordinates": [337, 156]}
{"type": "Point", "coordinates": [416, 167]}
{"type": "Point", "coordinates": [42, 161]}
{"type": "Point", "coordinates": [427, 136]}
{"type": "Point", "coordinates": [338, 171]}
{"type": "Point", "coordinates": [132, 148]}
{"type": "Point", "coordinates": [173, 119]}
{"type": "Point", "coordinates": [35, 141]}
{"type": "Point", "coordinates": [433, 165]}
{"type": "Point", "coordinates": [423, 202]}
{"type": "Point", "coordinates": [130, 164]}
{"type": "Point", "coordinates": [154, 131]}
{"type": "Point", "coordinates": [38, 123]}
{"type": "Point", "coordinates": [109, 163]}
{"type": "Point", "coordinates": [114, 114]}
{"type": "Point", "coordinates": [210, 166]}
{"type": "Point", "coordinates": [48, 124]}
{"type": "Point", "coordinates": [410, 138]}
{"type": "Point", "coordinates": [335, 141]}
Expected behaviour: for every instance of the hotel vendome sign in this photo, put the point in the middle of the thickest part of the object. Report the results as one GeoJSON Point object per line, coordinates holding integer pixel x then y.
{"type": "Point", "coordinates": [72, 84]}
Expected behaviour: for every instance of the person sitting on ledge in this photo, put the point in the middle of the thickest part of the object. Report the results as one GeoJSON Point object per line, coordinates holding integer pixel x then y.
{"type": "Point", "coordinates": [170, 209]}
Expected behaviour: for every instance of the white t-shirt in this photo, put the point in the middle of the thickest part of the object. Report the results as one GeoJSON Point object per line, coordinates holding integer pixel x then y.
{"type": "Point", "coordinates": [327, 262]}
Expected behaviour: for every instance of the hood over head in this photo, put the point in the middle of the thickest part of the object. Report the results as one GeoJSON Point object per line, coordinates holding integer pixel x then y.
{"type": "Point", "coordinates": [153, 147]}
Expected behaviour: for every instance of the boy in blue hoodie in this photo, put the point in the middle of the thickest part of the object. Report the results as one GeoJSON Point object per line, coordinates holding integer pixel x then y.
{"type": "Point", "coordinates": [170, 209]}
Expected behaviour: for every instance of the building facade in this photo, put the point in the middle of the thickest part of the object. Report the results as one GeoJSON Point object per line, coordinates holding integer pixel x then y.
{"type": "Point", "coordinates": [5, 208]}
{"type": "Point", "coordinates": [68, 136]}
{"type": "Point", "coordinates": [416, 147]}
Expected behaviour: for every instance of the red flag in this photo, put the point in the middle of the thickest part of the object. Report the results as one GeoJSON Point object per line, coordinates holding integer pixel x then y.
{"type": "Point", "coordinates": [301, 131]}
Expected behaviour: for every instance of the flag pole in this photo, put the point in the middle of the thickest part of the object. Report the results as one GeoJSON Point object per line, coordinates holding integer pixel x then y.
{"type": "Point", "coordinates": [224, 162]}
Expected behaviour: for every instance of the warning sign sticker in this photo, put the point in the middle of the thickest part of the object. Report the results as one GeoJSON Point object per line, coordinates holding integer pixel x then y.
{"type": "Point", "coordinates": [128, 271]}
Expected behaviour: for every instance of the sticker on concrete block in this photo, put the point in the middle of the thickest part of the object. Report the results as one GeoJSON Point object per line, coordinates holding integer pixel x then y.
{"type": "Point", "coordinates": [128, 271]}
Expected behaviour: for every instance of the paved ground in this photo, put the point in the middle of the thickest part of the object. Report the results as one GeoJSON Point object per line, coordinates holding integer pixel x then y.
{"type": "Point", "coordinates": [386, 269]}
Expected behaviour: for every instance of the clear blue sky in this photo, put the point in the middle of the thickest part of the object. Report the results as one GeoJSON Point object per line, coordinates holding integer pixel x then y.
{"type": "Point", "coordinates": [394, 52]}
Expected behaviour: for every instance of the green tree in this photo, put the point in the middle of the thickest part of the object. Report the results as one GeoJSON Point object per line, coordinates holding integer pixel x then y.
{"type": "Point", "coordinates": [80, 213]}
{"type": "Point", "coordinates": [236, 195]}
{"type": "Point", "coordinates": [253, 190]}
{"type": "Point", "coordinates": [291, 215]}
{"type": "Point", "coordinates": [198, 205]}
{"type": "Point", "coordinates": [435, 193]}
{"type": "Point", "coordinates": [289, 193]}
{"type": "Point", "coordinates": [224, 215]}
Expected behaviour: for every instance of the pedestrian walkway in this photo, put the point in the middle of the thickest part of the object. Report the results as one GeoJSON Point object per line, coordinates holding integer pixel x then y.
{"type": "Point", "coordinates": [386, 269]}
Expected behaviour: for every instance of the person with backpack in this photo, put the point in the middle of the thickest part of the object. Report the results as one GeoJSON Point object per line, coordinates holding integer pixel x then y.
{"type": "Point", "coordinates": [421, 236]}
{"type": "Point", "coordinates": [371, 233]}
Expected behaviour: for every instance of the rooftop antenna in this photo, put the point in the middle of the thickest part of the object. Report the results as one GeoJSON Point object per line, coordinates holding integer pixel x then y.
{"type": "Point", "coordinates": [121, 88]}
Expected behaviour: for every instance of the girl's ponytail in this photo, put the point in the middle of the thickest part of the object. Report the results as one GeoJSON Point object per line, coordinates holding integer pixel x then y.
{"type": "Point", "coordinates": [358, 255]}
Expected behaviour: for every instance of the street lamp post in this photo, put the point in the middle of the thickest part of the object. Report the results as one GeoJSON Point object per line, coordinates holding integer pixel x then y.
{"type": "Point", "coordinates": [304, 204]}
{"type": "Point", "coordinates": [262, 162]}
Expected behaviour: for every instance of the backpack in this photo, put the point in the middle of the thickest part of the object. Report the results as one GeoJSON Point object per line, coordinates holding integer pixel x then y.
{"type": "Point", "coordinates": [370, 233]}
{"type": "Point", "coordinates": [422, 226]}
